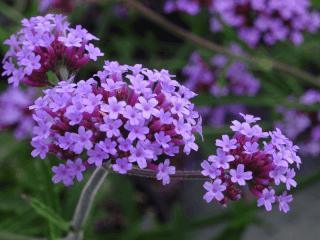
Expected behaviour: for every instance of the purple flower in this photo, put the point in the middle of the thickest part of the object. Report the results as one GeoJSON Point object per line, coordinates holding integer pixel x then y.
{"type": "Point", "coordinates": [140, 155]}
{"type": "Point", "coordinates": [250, 118]}
{"type": "Point", "coordinates": [165, 117]}
{"type": "Point", "coordinates": [31, 63]}
{"type": "Point", "coordinates": [82, 140]}
{"type": "Point", "coordinates": [43, 130]}
{"type": "Point", "coordinates": [111, 127]}
{"type": "Point", "coordinates": [289, 181]}
{"type": "Point", "coordinates": [71, 40]}
{"type": "Point", "coordinates": [108, 146]}
{"type": "Point", "coordinates": [59, 101]}
{"type": "Point", "coordinates": [162, 139]}
{"type": "Point", "coordinates": [239, 175]}
{"type": "Point", "coordinates": [137, 131]}
{"type": "Point", "coordinates": [74, 117]}
{"type": "Point", "coordinates": [164, 170]}
{"type": "Point", "coordinates": [92, 101]}
{"type": "Point", "coordinates": [283, 201]}
{"type": "Point", "coordinates": [124, 144]}
{"type": "Point", "coordinates": [111, 85]}
{"type": "Point", "coordinates": [94, 52]}
{"type": "Point", "coordinates": [210, 170]}
{"type": "Point", "coordinates": [179, 107]}
{"type": "Point", "coordinates": [182, 128]}
{"type": "Point", "coordinates": [226, 143]}
{"type": "Point", "coordinates": [122, 166]}
{"type": "Point", "coordinates": [65, 142]}
{"type": "Point", "coordinates": [114, 107]}
{"type": "Point", "coordinates": [190, 144]}
{"type": "Point", "coordinates": [251, 148]}
{"type": "Point", "coordinates": [221, 159]}
{"type": "Point", "coordinates": [153, 147]}
{"type": "Point", "coordinates": [171, 149]}
{"type": "Point", "coordinates": [214, 189]}
{"type": "Point", "coordinates": [277, 174]}
{"type": "Point", "coordinates": [62, 173]}
{"type": "Point", "coordinates": [40, 103]}
{"type": "Point", "coordinates": [17, 76]}
{"type": "Point", "coordinates": [9, 67]}
{"type": "Point", "coordinates": [97, 156]}
{"type": "Point", "coordinates": [132, 114]}
{"type": "Point", "coordinates": [267, 199]}
{"type": "Point", "coordinates": [147, 107]}
{"type": "Point", "coordinates": [76, 168]}
{"type": "Point", "coordinates": [41, 148]}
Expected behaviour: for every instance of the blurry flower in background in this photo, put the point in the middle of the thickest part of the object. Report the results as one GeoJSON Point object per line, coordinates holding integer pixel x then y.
{"type": "Point", "coordinates": [256, 21]}
{"type": "Point", "coordinates": [15, 113]}
{"type": "Point", "coordinates": [64, 5]}
{"type": "Point", "coordinates": [302, 126]}
{"type": "Point", "coordinates": [203, 77]}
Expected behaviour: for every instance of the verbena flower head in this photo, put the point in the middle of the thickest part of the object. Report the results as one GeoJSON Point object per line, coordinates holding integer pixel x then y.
{"type": "Point", "coordinates": [242, 160]}
{"type": "Point", "coordinates": [15, 113]}
{"type": "Point", "coordinates": [125, 122]}
{"type": "Point", "coordinates": [45, 44]}
{"type": "Point", "coordinates": [256, 21]}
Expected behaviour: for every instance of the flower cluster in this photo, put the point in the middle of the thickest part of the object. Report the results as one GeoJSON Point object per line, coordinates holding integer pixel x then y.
{"type": "Point", "coordinates": [266, 21]}
{"type": "Point", "coordinates": [42, 45]}
{"type": "Point", "coordinates": [240, 160]}
{"type": "Point", "coordinates": [15, 113]}
{"type": "Point", "coordinates": [203, 77]}
{"type": "Point", "coordinates": [303, 125]}
{"type": "Point", "coordinates": [64, 5]}
{"type": "Point", "coordinates": [138, 121]}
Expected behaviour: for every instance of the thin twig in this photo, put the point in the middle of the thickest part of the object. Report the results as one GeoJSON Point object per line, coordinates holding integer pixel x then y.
{"type": "Point", "coordinates": [180, 32]}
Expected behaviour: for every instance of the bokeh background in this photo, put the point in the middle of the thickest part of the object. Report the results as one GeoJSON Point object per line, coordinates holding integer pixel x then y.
{"type": "Point", "coordinates": [129, 207]}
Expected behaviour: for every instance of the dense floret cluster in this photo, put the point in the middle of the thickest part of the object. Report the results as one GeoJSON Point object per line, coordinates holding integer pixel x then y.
{"type": "Point", "coordinates": [121, 122]}
{"type": "Point", "coordinates": [240, 160]}
{"type": "Point", "coordinates": [256, 21]}
{"type": "Point", "coordinates": [301, 125]}
{"type": "Point", "coordinates": [45, 44]}
{"type": "Point", "coordinates": [15, 113]}
{"type": "Point", "coordinates": [204, 77]}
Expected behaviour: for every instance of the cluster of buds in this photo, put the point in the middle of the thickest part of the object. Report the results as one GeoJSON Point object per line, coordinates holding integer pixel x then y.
{"type": "Point", "coordinates": [45, 44]}
{"type": "Point", "coordinates": [15, 113]}
{"type": "Point", "coordinates": [118, 121]}
{"type": "Point", "coordinates": [203, 77]}
{"type": "Point", "coordinates": [239, 160]}
{"type": "Point", "coordinates": [257, 21]}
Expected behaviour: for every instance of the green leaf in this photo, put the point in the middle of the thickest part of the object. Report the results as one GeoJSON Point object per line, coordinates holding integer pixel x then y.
{"type": "Point", "coordinates": [316, 2]}
{"type": "Point", "coordinates": [12, 236]}
{"type": "Point", "coordinates": [12, 204]}
{"type": "Point", "coordinates": [8, 145]}
{"type": "Point", "coordinates": [48, 213]}
{"type": "Point", "coordinates": [10, 13]}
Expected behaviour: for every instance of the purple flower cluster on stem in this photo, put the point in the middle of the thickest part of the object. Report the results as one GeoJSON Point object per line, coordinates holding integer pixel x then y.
{"type": "Point", "coordinates": [118, 122]}
{"type": "Point", "coordinates": [240, 160]}
{"type": "Point", "coordinates": [41, 46]}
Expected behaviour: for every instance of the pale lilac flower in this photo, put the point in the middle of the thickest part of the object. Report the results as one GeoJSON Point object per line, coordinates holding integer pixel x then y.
{"type": "Point", "coordinates": [111, 85]}
{"type": "Point", "coordinates": [71, 40]}
{"type": "Point", "coordinates": [108, 146]}
{"type": "Point", "coordinates": [239, 175]}
{"type": "Point", "coordinates": [165, 117]}
{"type": "Point", "coordinates": [82, 140]}
{"type": "Point", "coordinates": [226, 143]}
{"type": "Point", "coordinates": [43, 130]}
{"type": "Point", "coordinates": [210, 170]}
{"type": "Point", "coordinates": [178, 107]}
{"type": "Point", "coordinates": [251, 148]}
{"type": "Point", "coordinates": [97, 155]}
{"type": "Point", "coordinates": [122, 166]}
{"type": "Point", "coordinates": [190, 144]}
{"type": "Point", "coordinates": [147, 107]}
{"type": "Point", "coordinates": [277, 174]}
{"type": "Point", "coordinates": [132, 114]}
{"type": "Point", "coordinates": [162, 139]}
{"type": "Point", "coordinates": [171, 149]}
{"type": "Point", "coordinates": [181, 127]}
{"type": "Point", "coordinates": [140, 155]}
{"type": "Point", "coordinates": [9, 67]}
{"type": "Point", "coordinates": [249, 118]}
{"type": "Point", "coordinates": [164, 170]}
{"type": "Point", "coordinates": [41, 148]}
{"type": "Point", "coordinates": [283, 201]}
{"type": "Point", "coordinates": [17, 76]}
{"type": "Point", "coordinates": [62, 173]}
{"type": "Point", "coordinates": [214, 189]}
{"type": "Point", "coordinates": [221, 159]}
{"type": "Point", "coordinates": [94, 52]}
{"type": "Point", "coordinates": [289, 181]}
{"type": "Point", "coordinates": [278, 159]}
{"type": "Point", "coordinates": [74, 117]}
{"type": "Point", "coordinates": [124, 144]}
{"type": "Point", "coordinates": [113, 107]}
{"type": "Point", "coordinates": [111, 127]}
{"type": "Point", "coordinates": [76, 168]}
{"type": "Point", "coordinates": [137, 131]}
{"type": "Point", "coordinates": [92, 101]}
{"type": "Point", "coordinates": [65, 142]}
{"type": "Point", "coordinates": [267, 199]}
